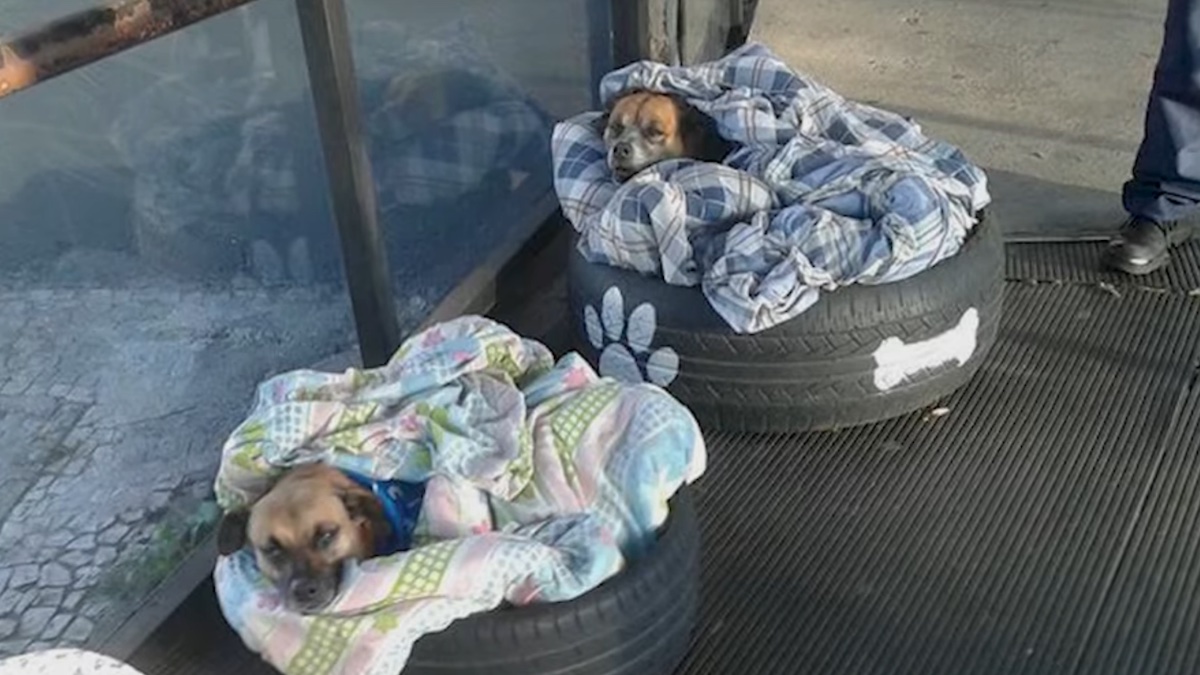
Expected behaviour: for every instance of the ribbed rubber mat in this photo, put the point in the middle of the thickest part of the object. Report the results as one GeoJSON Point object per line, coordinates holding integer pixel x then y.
{"type": "Point", "coordinates": [1149, 621]}
{"type": "Point", "coordinates": [978, 541]}
{"type": "Point", "coordinates": [1079, 262]}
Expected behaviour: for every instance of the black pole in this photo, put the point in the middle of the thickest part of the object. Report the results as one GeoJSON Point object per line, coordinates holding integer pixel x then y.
{"type": "Point", "coordinates": [323, 25]}
{"type": "Point", "coordinates": [630, 31]}
{"type": "Point", "coordinates": [600, 46]}
{"type": "Point", "coordinates": [741, 17]}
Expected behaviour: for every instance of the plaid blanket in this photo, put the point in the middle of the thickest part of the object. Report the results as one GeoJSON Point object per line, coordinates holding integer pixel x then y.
{"type": "Point", "coordinates": [820, 191]}
{"type": "Point", "coordinates": [541, 479]}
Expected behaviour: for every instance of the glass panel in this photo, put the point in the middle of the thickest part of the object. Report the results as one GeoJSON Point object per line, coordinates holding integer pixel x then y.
{"type": "Point", "coordinates": [459, 99]}
{"type": "Point", "coordinates": [165, 243]}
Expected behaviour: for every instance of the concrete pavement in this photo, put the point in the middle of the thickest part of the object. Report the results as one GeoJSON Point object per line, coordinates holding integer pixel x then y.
{"type": "Point", "coordinates": [1047, 95]}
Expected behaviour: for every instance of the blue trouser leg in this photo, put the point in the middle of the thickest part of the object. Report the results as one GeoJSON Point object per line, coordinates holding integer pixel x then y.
{"type": "Point", "coordinates": [1166, 174]}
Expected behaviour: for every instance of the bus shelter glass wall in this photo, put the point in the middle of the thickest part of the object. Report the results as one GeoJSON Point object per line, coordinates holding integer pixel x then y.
{"type": "Point", "coordinates": [165, 244]}
{"type": "Point", "coordinates": [459, 100]}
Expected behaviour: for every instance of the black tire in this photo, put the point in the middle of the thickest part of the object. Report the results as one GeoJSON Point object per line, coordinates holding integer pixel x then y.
{"type": "Point", "coordinates": [637, 623]}
{"type": "Point", "coordinates": [817, 371]}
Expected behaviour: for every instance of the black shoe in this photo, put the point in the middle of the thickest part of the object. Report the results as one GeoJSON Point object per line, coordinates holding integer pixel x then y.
{"type": "Point", "coordinates": [1144, 246]}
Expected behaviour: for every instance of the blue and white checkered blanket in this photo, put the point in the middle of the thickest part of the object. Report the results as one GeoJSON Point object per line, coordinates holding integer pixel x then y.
{"type": "Point", "coordinates": [820, 192]}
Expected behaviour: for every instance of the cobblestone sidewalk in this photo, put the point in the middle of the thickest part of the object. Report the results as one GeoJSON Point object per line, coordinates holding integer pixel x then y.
{"type": "Point", "coordinates": [113, 405]}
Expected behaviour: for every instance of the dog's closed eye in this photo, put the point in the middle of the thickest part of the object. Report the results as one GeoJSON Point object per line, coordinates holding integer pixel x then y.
{"type": "Point", "coordinates": [325, 538]}
{"type": "Point", "coordinates": [272, 549]}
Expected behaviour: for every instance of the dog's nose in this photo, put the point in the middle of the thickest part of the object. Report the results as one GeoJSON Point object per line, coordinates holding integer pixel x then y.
{"type": "Point", "coordinates": [305, 590]}
{"type": "Point", "coordinates": [623, 150]}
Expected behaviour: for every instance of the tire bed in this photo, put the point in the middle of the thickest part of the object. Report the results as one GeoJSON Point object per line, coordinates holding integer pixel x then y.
{"type": "Point", "coordinates": [815, 371]}
{"type": "Point", "coordinates": [640, 621]}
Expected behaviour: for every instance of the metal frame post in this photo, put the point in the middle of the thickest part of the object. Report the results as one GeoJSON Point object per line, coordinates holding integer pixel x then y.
{"type": "Point", "coordinates": [630, 31]}
{"type": "Point", "coordinates": [741, 16]}
{"type": "Point", "coordinates": [327, 50]}
{"type": "Point", "coordinates": [600, 45]}
{"type": "Point", "coordinates": [96, 33]}
{"type": "Point", "coordinates": [647, 30]}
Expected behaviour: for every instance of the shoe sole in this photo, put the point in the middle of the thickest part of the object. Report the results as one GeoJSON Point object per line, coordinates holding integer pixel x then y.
{"type": "Point", "coordinates": [1175, 238]}
{"type": "Point", "coordinates": [1120, 264]}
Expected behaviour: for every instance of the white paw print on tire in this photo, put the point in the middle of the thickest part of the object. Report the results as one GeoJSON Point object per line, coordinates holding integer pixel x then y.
{"type": "Point", "coordinates": [623, 360]}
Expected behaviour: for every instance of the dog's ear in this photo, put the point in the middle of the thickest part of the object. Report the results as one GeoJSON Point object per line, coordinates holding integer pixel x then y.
{"type": "Point", "coordinates": [600, 124]}
{"type": "Point", "coordinates": [691, 120]}
{"type": "Point", "coordinates": [231, 532]}
{"type": "Point", "coordinates": [700, 135]}
{"type": "Point", "coordinates": [360, 503]}
{"type": "Point", "coordinates": [365, 508]}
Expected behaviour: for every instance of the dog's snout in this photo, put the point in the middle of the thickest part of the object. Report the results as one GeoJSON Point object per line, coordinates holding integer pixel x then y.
{"type": "Point", "coordinates": [305, 591]}
{"type": "Point", "coordinates": [623, 150]}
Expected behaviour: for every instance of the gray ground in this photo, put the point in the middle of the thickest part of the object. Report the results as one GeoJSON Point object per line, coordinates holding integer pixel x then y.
{"type": "Point", "coordinates": [1048, 95]}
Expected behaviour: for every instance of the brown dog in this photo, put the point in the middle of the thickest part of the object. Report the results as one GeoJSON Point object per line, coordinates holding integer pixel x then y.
{"type": "Point", "coordinates": [311, 522]}
{"type": "Point", "coordinates": [644, 128]}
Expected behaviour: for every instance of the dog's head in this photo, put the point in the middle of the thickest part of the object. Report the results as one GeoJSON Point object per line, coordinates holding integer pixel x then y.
{"type": "Point", "coordinates": [311, 522]}
{"type": "Point", "coordinates": [646, 127]}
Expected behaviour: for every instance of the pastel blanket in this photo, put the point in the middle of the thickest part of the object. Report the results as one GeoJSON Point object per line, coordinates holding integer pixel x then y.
{"type": "Point", "coordinates": [819, 191]}
{"type": "Point", "coordinates": [542, 480]}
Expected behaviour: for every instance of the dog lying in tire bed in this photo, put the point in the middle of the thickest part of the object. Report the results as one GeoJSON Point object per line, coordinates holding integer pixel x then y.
{"type": "Point", "coordinates": [543, 496]}
{"type": "Point", "coordinates": [833, 269]}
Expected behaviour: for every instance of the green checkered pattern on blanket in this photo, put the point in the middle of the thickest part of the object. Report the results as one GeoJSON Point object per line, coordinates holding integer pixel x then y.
{"type": "Point", "coordinates": [347, 435]}
{"type": "Point", "coordinates": [500, 357]}
{"type": "Point", "coordinates": [328, 637]}
{"type": "Point", "coordinates": [574, 417]}
{"type": "Point", "coordinates": [326, 641]}
{"type": "Point", "coordinates": [424, 569]}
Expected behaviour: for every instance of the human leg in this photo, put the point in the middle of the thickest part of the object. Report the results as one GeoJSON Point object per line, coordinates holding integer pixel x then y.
{"type": "Point", "coordinates": [1163, 195]}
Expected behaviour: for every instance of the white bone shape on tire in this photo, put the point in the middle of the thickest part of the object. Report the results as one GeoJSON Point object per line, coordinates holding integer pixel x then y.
{"type": "Point", "coordinates": [896, 361]}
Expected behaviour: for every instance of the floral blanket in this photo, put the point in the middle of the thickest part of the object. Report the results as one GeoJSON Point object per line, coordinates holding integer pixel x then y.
{"type": "Point", "coordinates": [541, 479]}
